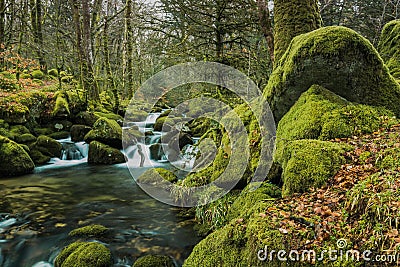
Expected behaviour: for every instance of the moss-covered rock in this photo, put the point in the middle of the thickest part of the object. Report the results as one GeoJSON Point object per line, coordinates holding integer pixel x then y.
{"type": "Point", "coordinates": [389, 47]}
{"type": "Point", "coordinates": [292, 18]}
{"type": "Point", "coordinates": [59, 135]}
{"type": "Point", "coordinates": [321, 114]}
{"type": "Point", "coordinates": [152, 176]}
{"type": "Point", "coordinates": [43, 131]}
{"type": "Point", "coordinates": [309, 164]}
{"type": "Point", "coordinates": [154, 261]}
{"type": "Point", "coordinates": [84, 254]}
{"type": "Point", "coordinates": [238, 243]}
{"type": "Point", "coordinates": [136, 115]}
{"type": "Point", "coordinates": [105, 131]}
{"type": "Point", "coordinates": [14, 160]}
{"type": "Point", "coordinates": [338, 59]}
{"type": "Point", "coordinates": [78, 132]}
{"type": "Point", "coordinates": [95, 230]}
{"type": "Point", "coordinates": [37, 74]}
{"type": "Point", "coordinates": [18, 130]}
{"type": "Point", "coordinates": [61, 109]}
{"type": "Point", "coordinates": [103, 154]}
{"type": "Point", "coordinates": [86, 118]}
{"type": "Point", "coordinates": [47, 146]}
{"type": "Point", "coordinates": [53, 73]}
{"type": "Point", "coordinates": [38, 157]}
{"type": "Point", "coordinates": [111, 116]}
{"type": "Point", "coordinates": [25, 138]}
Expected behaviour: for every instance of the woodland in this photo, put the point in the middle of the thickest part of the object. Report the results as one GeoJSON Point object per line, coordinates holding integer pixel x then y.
{"type": "Point", "coordinates": [75, 128]}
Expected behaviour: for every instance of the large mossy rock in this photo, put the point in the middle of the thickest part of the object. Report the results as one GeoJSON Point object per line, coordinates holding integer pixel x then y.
{"type": "Point", "coordinates": [47, 146]}
{"type": "Point", "coordinates": [14, 160]}
{"type": "Point", "coordinates": [249, 230]}
{"type": "Point", "coordinates": [157, 176]}
{"type": "Point", "coordinates": [84, 254]}
{"type": "Point", "coordinates": [78, 132]}
{"type": "Point", "coordinates": [309, 164]}
{"type": "Point", "coordinates": [61, 108]}
{"type": "Point", "coordinates": [106, 131]}
{"type": "Point", "coordinates": [94, 231]}
{"type": "Point", "coordinates": [292, 18]}
{"type": "Point", "coordinates": [154, 261]}
{"type": "Point", "coordinates": [338, 59]}
{"type": "Point", "coordinates": [103, 154]}
{"type": "Point", "coordinates": [321, 114]}
{"type": "Point", "coordinates": [389, 47]}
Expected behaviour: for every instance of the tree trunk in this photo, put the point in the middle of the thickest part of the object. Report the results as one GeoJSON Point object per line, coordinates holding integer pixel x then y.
{"type": "Point", "coordinates": [292, 18]}
{"type": "Point", "coordinates": [36, 21]}
{"type": "Point", "coordinates": [266, 26]}
{"type": "Point", "coordinates": [2, 30]}
{"type": "Point", "coordinates": [128, 50]}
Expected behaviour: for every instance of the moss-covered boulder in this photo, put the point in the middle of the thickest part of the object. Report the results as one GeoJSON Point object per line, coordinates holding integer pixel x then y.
{"type": "Point", "coordinates": [105, 131]}
{"type": "Point", "coordinates": [26, 138]}
{"type": "Point", "coordinates": [249, 230]}
{"type": "Point", "coordinates": [84, 254]}
{"type": "Point", "coordinates": [309, 164]}
{"type": "Point", "coordinates": [100, 153]}
{"type": "Point", "coordinates": [59, 135]}
{"type": "Point", "coordinates": [86, 118]}
{"type": "Point", "coordinates": [154, 261]}
{"type": "Point", "coordinates": [109, 115]}
{"type": "Point", "coordinates": [78, 132]}
{"type": "Point", "coordinates": [61, 108]}
{"type": "Point", "coordinates": [338, 59]}
{"type": "Point", "coordinates": [53, 73]}
{"type": "Point", "coordinates": [37, 74]}
{"type": "Point", "coordinates": [321, 114]}
{"type": "Point", "coordinates": [95, 230]}
{"type": "Point", "coordinates": [38, 157]}
{"type": "Point", "coordinates": [292, 18]}
{"type": "Point", "coordinates": [157, 176]}
{"type": "Point", "coordinates": [135, 115]}
{"type": "Point", "coordinates": [47, 146]}
{"type": "Point", "coordinates": [14, 160]}
{"type": "Point", "coordinates": [389, 47]}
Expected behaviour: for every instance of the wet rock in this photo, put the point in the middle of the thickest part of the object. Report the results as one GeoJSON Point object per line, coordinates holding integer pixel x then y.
{"type": "Point", "coordinates": [103, 154]}
{"type": "Point", "coordinates": [154, 261]}
{"type": "Point", "coordinates": [105, 131]}
{"type": "Point", "coordinates": [14, 160]}
{"type": "Point", "coordinates": [47, 146]}
{"type": "Point", "coordinates": [78, 132]}
{"type": "Point", "coordinates": [85, 254]}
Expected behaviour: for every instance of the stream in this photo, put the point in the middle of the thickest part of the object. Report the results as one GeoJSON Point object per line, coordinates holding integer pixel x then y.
{"type": "Point", "coordinates": [38, 211]}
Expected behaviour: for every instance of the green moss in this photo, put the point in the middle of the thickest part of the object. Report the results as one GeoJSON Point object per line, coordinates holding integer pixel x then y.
{"type": "Point", "coordinates": [100, 153]}
{"type": "Point", "coordinates": [321, 114]}
{"type": "Point", "coordinates": [25, 138]}
{"type": "Point", "coordinates": [389, 159]}
{"type": "Point", "coordinates": [95, 230]}
{"type": "Point", "coordinates": [25, 76]}
{"type": "Point", "coordinates": [389, 47]}
{"type": "Point", "coordinates": [61, 109]}
{"type": "Point", "coordinates": [38, 157]}
{"type": "Point", "coordinates": [154, 261]}
{"type": "Point", "coordinates": [292, 18]}
{"type": "Point", "coordinates": [43, 131]}
{"type": "Point", "coordinates": [105, 131]}
{"type": "Point", "coordinates": [110, 116]}
{"type": "Point", "coordinates": [53, 73]}
{"type": "Point", "coordinates": [14, 160]}
{"type": "Point", "coordinates": [81, 254]}
{"type": "Point", "coordinates": [59, 135]}
{"type": "Point", "coordinates": [136, 115]}
{"type": "Point", "coordinates": [37, 74]}
{"type": "Point", "coordinates": [67, 79]}
{"type": "Point", "coordinates": [19, 130]}
{"type": "Point", "coordinates": [309, 164]}
{"type": "Point", "coordinates": [152, 176]}
{"type": "Point", "coordinates": [47, 146]}
{"type": "Point", "coordinates": [338, 59]}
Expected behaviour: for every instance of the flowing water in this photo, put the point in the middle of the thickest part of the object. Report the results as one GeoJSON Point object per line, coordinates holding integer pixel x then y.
{"type": "Point", "coordinates": [38, 211]}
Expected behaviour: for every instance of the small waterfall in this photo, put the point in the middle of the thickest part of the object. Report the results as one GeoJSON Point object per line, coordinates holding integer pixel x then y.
{"type": "Point", "coordinates": [71, 152]}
